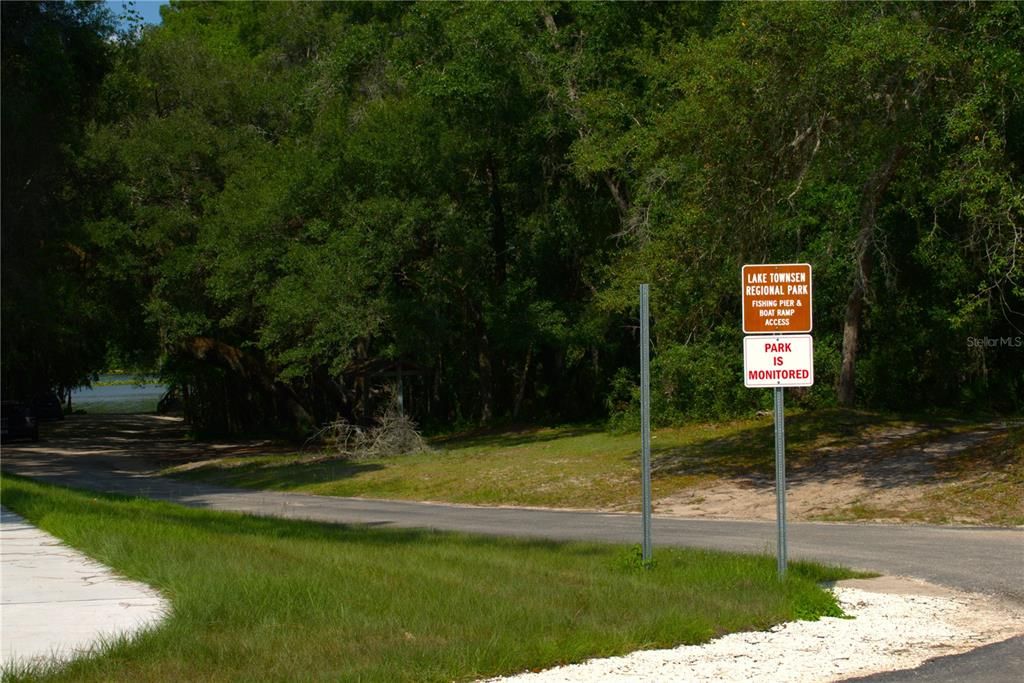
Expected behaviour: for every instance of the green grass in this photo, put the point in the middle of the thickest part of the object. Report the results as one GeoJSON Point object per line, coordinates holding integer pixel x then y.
{"type": "Point", "coordinates": [264, 599]}
{"type": "Point", "coordinates": [565, 467]}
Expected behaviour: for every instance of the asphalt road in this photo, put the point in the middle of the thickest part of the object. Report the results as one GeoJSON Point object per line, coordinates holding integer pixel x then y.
{"type": "Point", "coordinates": [988, 560]}
{"type": "Point", "coordinates": [996, 663]}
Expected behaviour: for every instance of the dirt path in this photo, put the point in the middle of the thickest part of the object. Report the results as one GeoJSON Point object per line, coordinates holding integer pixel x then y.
{"type": "Point", "coordinates": [903, 473]}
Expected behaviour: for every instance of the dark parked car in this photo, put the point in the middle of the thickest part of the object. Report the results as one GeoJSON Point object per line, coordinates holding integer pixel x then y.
{"type": "Point", "coordinates": [17, 422]}
{"type": "Point", "coordinates": [47, 406]}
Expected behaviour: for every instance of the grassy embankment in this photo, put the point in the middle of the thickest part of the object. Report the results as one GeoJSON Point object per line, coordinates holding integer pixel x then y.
{"type": "Point", "coordinates": [580, 467]}
{"type": "Point", "coordinates": [264, 599]}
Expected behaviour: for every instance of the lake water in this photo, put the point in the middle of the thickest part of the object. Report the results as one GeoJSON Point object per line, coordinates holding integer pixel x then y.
{"type": "Point", "coordinates": [141, 396]}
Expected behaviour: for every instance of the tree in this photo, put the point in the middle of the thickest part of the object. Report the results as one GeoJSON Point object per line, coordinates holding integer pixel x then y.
{"type": "Point", "coordinates": [813, 132]}
{"type": "Point", "coordinates": [297, 195]}
{"type": "Point", "coordinates": [55, 55]}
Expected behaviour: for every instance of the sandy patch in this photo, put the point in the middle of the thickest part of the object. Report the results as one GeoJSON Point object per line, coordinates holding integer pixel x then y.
{"type": "Point", "coordinates": [805, 500]}
{"type": "Point", "coordinates": [897, 624]}
{"type": "Point", "coordinates": [898, 471]}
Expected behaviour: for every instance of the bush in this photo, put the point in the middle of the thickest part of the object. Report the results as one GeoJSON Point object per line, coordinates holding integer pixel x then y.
{"type": "Point", "coordinates": [704, 381]}
{"type": "Point", "coordinates": [688, 381]}
{"type": "Point", "coordinates": [701, 381]}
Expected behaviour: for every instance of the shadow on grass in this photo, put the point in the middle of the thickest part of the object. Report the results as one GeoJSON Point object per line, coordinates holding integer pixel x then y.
{"type": "Point", "coordinates": [884, 451]}
{"type": "Point", "coordinates": [85, 504]}
{"type": "Point", "coordinates": [510, 437]}
{"type": "Point", "coordinates": [283, 475]}
{"type": "Point", "coordinates": [86, 449]}
{"type": "Point", "coordinates": [140, 437]}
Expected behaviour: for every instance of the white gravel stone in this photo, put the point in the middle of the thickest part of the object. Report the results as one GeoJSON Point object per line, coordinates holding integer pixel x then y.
{"type": "Point", "coordinates": [888, 632]}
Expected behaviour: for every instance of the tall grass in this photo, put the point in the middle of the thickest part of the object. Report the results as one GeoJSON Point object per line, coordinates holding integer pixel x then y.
{"type": "Point", "coordinates": [257, 599]}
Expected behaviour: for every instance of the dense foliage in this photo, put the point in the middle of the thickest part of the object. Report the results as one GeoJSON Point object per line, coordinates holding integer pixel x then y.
{"type": "Point", "coordinates": [55, 318]}
{"type": "Point", "coordinates": [299, 201]}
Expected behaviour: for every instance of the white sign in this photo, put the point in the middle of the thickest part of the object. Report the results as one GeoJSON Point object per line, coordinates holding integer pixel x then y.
{"type": "Point", "coordinates": [778, 361]}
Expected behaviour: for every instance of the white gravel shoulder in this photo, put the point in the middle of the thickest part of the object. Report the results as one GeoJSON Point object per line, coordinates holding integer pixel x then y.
{"type": "Point", "coordinates": [897, 623]}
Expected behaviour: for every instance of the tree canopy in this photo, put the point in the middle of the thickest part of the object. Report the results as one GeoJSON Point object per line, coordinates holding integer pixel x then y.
{"type": "Point", "coordinates": [292, 203]}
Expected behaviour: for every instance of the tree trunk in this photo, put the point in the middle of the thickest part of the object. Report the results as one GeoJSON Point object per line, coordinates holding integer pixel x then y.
{"type": "Point", "coordinates": [362, 406]}
{"type": "Point", "coordinates": [522, 381]}
{"type": "Point", "coordinates": [486, 381]}
{"type": "Point", "coordinates": [499, 233]}
{"type": "Point", "coordinates": [484, 368]}
{"type": "Point", "coordinates": [242, 396]}
{"type": "Point", "coordinates": [872, 194]}
{"type": "Point", "coordinates": [851, 337]}
{"type": "Point", "coordinates": [435, 407]}
{"type": "Point", "coordinates": [619, 195]}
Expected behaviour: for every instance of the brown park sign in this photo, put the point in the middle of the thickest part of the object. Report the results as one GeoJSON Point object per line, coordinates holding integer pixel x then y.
{"type": "Point", "coordinates": [776, 298]}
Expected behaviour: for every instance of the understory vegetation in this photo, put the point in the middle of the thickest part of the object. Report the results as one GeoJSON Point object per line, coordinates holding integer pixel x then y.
{"type": "Point", "coordinates": [263, 599]}
{"type": "Point", "coordinates": [296, 208]}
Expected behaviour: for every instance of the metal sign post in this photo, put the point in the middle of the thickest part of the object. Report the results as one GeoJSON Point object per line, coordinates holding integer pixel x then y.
{"type": "Point", "coordinates": [780, 479]}
{"type": "Point", "coordinates": [645, 415]}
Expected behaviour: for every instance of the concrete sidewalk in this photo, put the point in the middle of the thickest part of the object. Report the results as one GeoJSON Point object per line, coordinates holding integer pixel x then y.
{"type": "Point", "coordinates": [57, 603]}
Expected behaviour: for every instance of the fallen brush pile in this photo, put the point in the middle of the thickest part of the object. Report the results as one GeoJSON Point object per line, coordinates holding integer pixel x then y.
{"type": "Point", "coordinates": [392, 435]}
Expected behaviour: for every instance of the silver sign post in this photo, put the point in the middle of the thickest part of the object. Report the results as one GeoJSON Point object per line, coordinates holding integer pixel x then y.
{"type": "Point", "coordinates": [645, 415]}
{"type": "Point", "coordinates": [780, 479]}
